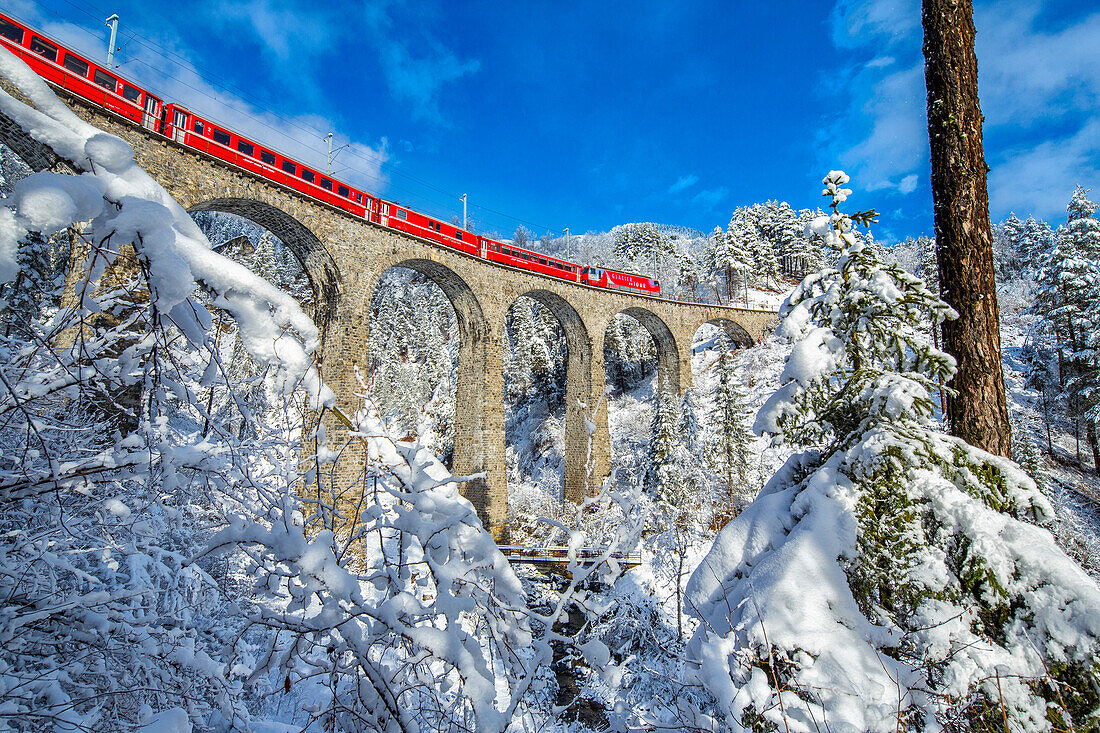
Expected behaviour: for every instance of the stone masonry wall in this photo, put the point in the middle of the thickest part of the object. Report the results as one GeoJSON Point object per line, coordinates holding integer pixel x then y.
{"type": "Point", "coordinates": [345, 257]}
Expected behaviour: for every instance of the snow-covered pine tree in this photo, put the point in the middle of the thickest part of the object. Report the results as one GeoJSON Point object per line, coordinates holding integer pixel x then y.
{"type": "Point", "coordinates": [689, 422]}
{"type": "Point", "coordinates": [717, 255]}
{"type": "Point", "coordinates": [1080, 287]}
{"type": "Point", "coordinates": [643, 245]}
{"type": "Point", "coordinates": [42, 262]}
{"type": "Point", "coordinates": [730, 439]}
{"type": "Point", "coordinates": [1008, 247]}
{"type": "Point", "coordinates": [1038, 240]}
{"type": "Point", "coordinates": [663, 441]}
{"type": "Point", "coordinates": [738, 263]}
{"type": "Point", "coordinates": [688, 278]}
{"type": "Point", "coordinates": [521, 237]}
{"type": "Point", "coordinates": [1082, 228]}
{"type": "Point", "coordinates": [935, 604]}
{"type": "Point", "coordinates": [1064, 301]}
{"type": "Point", "coordinates": [767, 264]}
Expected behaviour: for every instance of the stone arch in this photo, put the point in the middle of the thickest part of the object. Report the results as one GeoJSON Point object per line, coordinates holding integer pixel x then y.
{"type": "Point", "coordinates": [472, 323]}
{"type": "Point", "coordinates": [318, 264]}
{"type": "Point", "coordinates": [735, 331]}
{"type": "Point", "coordinates": [578, 388]}
{"type": "Point", "coordinates": [668, 354]}
{"type": "Point", "coordinates": [478, 421]}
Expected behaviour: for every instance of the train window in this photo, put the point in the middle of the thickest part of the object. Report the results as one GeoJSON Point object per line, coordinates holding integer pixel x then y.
{"type": "Point", "coordinates": [307, 175]}
{"type": "Point", "coordinates": [289, 166]}
{"type": "Point", "coordinates": [343, 191]}
{"type": "Point", "coordinates": [326, 184]}
{"type": "Point", "coordinates": [75, 65]}
{"type": "Point", "coordinates": [220, 136]}
{"type": "Point", "coordinates": [246, 147]}
{"type": "Point", "coordinates": [401, 214]}
{"type": "Point", "coordinates": [267, 157]}
{"type": "Point", "coordinates": [151, 103]}
{"type": "Point", "coordinates": [179, 119]}
{"type": "Point", "coordinates": [11, 31]}
{"type": "Point", "coordinates": [131, 94]}
{"type": "Point", "coordinates": [43, 49]}
{"type": "Point", "coordinates": [458, 235]}
{"type": "Point", "coordinates": [359, 197]}
{"type": "Point", "coordinates": [105, 80]}
{"type": "Point", "coordinates": [542, 260]}
{"type": "Point", "coordinates": [199, 126]}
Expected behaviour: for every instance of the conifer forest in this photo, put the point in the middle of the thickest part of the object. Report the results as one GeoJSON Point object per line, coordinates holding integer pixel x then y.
{"type": "Point", "coordinates": [883, 516]}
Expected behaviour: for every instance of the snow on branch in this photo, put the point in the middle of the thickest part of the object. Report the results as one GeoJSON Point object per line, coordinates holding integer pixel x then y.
{"type": "Point", "coordinates": [125, 206]}
{"type": "Point", "coordinates": [888, 576]}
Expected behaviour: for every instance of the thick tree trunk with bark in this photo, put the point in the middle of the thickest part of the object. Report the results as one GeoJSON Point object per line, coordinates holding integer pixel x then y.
{"type": "Point", "coordinates": [978, 413]}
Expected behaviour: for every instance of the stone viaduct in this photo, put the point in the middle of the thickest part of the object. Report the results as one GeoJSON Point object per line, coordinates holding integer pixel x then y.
{"type": "Point", "coordinates": [345, 257]}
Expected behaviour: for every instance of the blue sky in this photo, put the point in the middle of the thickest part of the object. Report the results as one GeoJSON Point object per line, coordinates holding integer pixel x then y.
{"type": "Point", "coordinates": [587, 115]}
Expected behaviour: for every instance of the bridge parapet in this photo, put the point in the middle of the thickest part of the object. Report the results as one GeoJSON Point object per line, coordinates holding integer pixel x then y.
{"type": "Point", "coordinates": [345, 258]}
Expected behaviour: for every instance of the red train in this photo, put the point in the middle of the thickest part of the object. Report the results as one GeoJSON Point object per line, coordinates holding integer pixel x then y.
{"type": "Point", "coordinates": [80, 76]}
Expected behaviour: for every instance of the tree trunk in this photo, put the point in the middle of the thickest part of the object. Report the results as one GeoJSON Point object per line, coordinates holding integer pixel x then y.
{"type": "Point", "coordinates": [1090, 433]}
{"type": "Point", "coordinates": [978, 413]}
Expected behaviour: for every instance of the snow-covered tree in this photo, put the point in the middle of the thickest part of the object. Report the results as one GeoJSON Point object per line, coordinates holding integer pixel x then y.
{"type": "Point", "coordinates": [1008, 247]}
{"type": "Point", "coordinates": [936, 603]}
{"type": "Point", "coordinates": [689, 277]}
{"type": "Point", "coordinates": [1038, 240]}
{"type": "Point", "coordinates": [729, 438]}
{"type": "Point", "coordinates": [689, 422]}
{"type": "Point", "coordinates": [104, 500]}
{"type": "Point", "coordinates": [663, 442]}
{"type": "Point", "coordinates": [642, 243]}
{"type": "Point", "coordinates": [1065, 301]}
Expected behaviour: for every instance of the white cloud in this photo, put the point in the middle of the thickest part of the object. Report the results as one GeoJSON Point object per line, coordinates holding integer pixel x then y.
{"type": "Point", "coordinates": [897, 144]}
{"type": "Point", "coordinates": [710, 197]}
{"type": "Point", "coordinates": [289, 33]}
{"type": "Point", "coordinates": [1037, 77]}
{"type": "Point", "coordinates": [172, 76]}
{"type": "Point", "coordinates": [1039, 180]}
{"type": "Point", "coordinates": [1026, 74]}
{"type": "Point", "coordinates": [418, 79]}
{"type": "Point", "coordinates": [855, 22]}
{"type": "Point", "coordinates": [415, 77]}
{"type": "Point", "coordinates": [683, 183]}
{"type": "Point", "coordinates": [415, 64]}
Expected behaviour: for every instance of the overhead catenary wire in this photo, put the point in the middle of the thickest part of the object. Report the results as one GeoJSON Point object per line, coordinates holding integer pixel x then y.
{"type": "Point", "coordinates": [367, 156]}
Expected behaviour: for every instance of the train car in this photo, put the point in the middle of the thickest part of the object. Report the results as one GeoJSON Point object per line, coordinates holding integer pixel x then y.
{"type": "Point", "coordinates": [612, 280]}
{"type": "Point", "coordinates": [99, 85]}
{"type": "Point", "coordinates": [528, 260]}
{"type": "Point", "coordinates": [75, 73]}
{"type": "Point", "coordinates": [404, 219]}
{"type": "Point", "coordinates": [200, 133]}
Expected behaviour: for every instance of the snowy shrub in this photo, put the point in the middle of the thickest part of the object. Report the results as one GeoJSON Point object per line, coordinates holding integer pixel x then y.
{"type": "Point", "coordinates": [409, 619]}
{"type": "Point", "coordinates": [888, 576]}
{"type": "Point", "coordinates": [111, 466]}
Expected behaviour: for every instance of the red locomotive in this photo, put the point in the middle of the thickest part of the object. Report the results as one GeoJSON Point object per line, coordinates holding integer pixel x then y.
{"type": "Point", "coordinates": [80, 76]}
